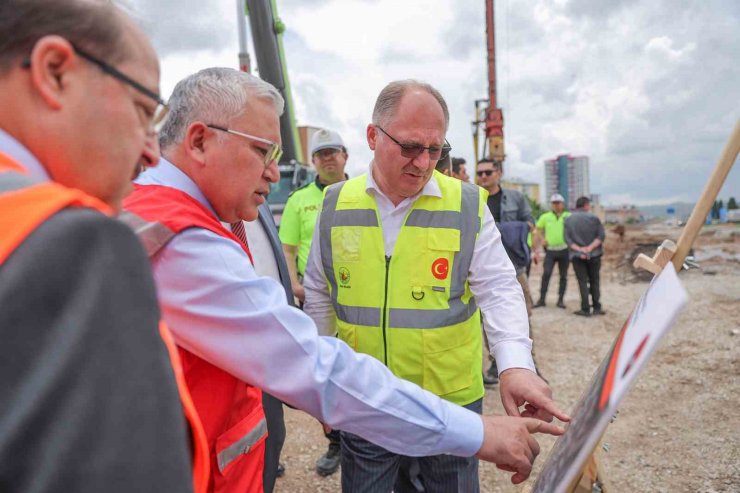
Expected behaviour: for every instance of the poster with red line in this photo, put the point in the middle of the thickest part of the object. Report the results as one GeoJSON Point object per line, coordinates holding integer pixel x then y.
{"type": "Point", "coordinates": [655, 313]}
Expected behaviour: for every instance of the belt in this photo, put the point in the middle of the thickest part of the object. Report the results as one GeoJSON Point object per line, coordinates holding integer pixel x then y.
{"type": "Point", "coordinates": [558, 248]}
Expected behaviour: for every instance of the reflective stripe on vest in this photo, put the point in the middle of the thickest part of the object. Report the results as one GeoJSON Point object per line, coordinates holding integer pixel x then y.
{"type": "Point", "coordinates": [242, 445]}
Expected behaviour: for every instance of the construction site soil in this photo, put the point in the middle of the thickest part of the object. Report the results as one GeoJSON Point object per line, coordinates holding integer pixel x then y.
{"type": "Point", "coordinates": [678, 430]}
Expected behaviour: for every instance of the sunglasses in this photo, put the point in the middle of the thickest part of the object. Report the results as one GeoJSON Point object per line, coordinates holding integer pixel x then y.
{"type": "Point", "coordinates": [413, 151]}
{"type": "Point", "coordinates": [272, 154]}
{"type": "Point", "coordinates": [487, 172]}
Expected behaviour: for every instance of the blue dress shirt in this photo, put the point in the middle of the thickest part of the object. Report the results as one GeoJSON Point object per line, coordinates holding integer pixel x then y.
{"type": "Point", "coordinates": [220, 310]}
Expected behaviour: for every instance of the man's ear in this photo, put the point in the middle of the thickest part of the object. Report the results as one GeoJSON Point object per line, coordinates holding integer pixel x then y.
{"type": "Point", "coordinates": [196, 142]}
{"type": "Point", "coordinates": [53, 67]}
{"type": "Point", "coordinates": [372, 135]}
{"type": "Point", "coordinates": [446, 171]}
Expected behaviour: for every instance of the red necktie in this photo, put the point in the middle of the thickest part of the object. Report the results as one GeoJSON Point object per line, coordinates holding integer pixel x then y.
{"type": "Point", "coordinates": [238, 229]}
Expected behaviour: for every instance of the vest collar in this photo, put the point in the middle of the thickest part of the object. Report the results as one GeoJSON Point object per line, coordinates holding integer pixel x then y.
{"type": "Point", "coordinates": [168, 175]}
{"type": "Point", "coordinates": [431, 188]}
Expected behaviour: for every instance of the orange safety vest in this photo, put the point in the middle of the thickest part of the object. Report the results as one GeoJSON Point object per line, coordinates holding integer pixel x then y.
{"type": "Point", "coordinates": [25, 208]}
{"type": "Point", "coordinates": [230, 409]}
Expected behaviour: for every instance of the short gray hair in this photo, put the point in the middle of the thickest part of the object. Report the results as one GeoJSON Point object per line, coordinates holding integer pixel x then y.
{"type": "Point", "coordinates": [94, 25]}
{"type": "Point", "coordinates": [213, 95]}
{"type": "Point", "coordinates": [389, 98]}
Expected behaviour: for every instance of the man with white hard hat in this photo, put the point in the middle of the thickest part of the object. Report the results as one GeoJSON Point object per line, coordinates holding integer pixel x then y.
{"type": "Point", "coordinates": [551, 224]}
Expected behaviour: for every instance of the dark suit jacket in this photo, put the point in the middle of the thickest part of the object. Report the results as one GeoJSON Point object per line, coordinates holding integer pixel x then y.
{"type": "Point", "coordinates": [88, 397]}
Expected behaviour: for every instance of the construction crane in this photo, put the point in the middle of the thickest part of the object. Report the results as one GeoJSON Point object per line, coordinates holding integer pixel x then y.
{"type": "Point", "coordinates": [267, 29]}
{"type": "Point", "coordinates": [487, 113]}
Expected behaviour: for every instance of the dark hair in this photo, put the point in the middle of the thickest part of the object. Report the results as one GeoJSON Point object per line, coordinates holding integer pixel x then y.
{"type": "Point", "coordinates": [582, 201]}
{"type": "Point", "coordinates": [495, 164]}
{"type": "Point", "coordinates": [456, 163]}
{"type": "Point", "coordinates": [444, 164]}
{"type": "Point", "coordinates": [94, 25]}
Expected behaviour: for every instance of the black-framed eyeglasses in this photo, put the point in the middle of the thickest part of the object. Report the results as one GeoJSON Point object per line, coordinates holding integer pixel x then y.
{"type": "Point", "coordinates": [157, 118]}
{"type": "Point", "coordinates": [412, 151]}
{"type": "Point", "coordinates": [272, 154]}
{"type": "Point", "coordinates": [487, 172]}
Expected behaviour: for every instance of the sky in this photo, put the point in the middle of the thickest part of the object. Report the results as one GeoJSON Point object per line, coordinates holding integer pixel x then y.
{"type": "Point", "coordinates": [648, 90]}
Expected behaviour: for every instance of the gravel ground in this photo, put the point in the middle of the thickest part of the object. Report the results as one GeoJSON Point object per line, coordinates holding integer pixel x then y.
{"type": "Point", "coordinates": [678, 430]}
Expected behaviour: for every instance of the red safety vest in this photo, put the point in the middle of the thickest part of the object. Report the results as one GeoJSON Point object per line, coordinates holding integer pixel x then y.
{"type": "Point", "coordinates": [24, 209]}
{"type": "Point", "coordinates": [230, 409]}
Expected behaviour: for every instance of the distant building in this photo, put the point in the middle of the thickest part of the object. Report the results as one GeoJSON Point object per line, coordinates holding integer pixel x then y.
{"type": "Point", "coordinates": [623, 215]}
{"type": "Point", "coordinates": [530, 189]}
{"type": "Point", "coordinates": [569, 176]}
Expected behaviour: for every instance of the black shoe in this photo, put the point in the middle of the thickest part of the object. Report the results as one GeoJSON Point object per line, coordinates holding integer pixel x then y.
{"type": "Point", "coordinates": [539, 304]}
{"type": "Point", "coordinates": [329, 462]}
{"type": "Point", "coordinates": [582, 313]}
{"type": "Point", "coordinates": [489, 379]}
{"type": "Point", "coordinates": [560, 303]}
{"type": "Point", "coordinates": [280, 470]}
{"type": "Point", "coordinates": [598, 311]}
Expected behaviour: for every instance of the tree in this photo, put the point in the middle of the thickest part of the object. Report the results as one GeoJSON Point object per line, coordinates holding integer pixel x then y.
{"type": "Point", "coordinates": [731, 204]}
{"type": "Point", "coordinates": [537, 209]}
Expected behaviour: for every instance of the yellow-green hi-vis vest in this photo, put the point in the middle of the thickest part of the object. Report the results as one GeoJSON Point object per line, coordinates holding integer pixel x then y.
{"type": "Point", "coordinates": [413, 310]}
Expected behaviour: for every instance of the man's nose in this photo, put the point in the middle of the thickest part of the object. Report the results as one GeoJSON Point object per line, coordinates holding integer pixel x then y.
{"type": "Point", "coordinates": [272, 173]}
{"type": "Point", "coordinates": [422, 161]}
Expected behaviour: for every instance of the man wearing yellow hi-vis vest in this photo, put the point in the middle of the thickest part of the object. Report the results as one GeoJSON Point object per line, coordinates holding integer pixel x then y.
{"type": "Point", "coordinates": [404, 263]}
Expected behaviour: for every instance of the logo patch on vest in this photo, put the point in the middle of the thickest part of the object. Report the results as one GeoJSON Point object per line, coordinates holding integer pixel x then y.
{"type": "Point", "coordinates": [440, 268]}
{"type": "Point", "coordinates": [343, 276]}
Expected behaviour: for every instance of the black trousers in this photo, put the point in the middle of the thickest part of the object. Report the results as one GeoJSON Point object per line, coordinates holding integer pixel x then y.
{"type": "Point", "coordinates": [368, 468]}
{"type": "Point", "coordinates": [275, 439]}
{"type": "Point", "coordinates": [551, 258]}
{"type": "Point", "coordinates": [587, 273]}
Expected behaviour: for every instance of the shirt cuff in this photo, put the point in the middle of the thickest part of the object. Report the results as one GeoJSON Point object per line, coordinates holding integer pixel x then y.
{"type": "Point", "coordinates": [513, 355]}
{"type": "Point", "coordinates": [464, 435]}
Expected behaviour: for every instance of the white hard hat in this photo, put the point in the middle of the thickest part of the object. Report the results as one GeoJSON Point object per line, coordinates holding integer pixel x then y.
{"type": "Point", "coordinates": [556, 197]}
{"type": "Point", "coordinates": [325, 139]}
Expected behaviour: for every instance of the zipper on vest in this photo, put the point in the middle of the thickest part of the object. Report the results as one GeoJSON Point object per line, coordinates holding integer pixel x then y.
{"type": "Point", "coordinates": [385, 310]}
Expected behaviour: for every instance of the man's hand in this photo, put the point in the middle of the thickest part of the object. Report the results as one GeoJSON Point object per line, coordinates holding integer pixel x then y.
{"type": "Point", "coordinates": [299, 292]}
{"type": "Point", "coordinates": [535, 257]}
{"type": "Point", "coordinates": [522, 387]}
{"type": "Point", "coordinates": [508, 443]}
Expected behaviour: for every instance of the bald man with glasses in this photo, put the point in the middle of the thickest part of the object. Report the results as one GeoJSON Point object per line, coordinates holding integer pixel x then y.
{"type": "Point", "coordinates": [403, 262]}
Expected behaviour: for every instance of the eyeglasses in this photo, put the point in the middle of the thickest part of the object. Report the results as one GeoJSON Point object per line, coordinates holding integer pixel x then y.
{"type": "Point", "coordinates": [487, 172]}
{"type": "Point", "coordinates": [412, 151]}
{"type": "Point", "coordinates": [271, 154]}
{"type": "Point", "coordinates": [156, 119]}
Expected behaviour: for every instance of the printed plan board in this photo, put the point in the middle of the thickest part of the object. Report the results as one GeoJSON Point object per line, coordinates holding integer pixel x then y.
{"type": "Point", "coordinates": [653, 316]}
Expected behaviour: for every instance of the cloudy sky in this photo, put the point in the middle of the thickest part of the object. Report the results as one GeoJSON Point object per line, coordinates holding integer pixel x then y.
{"type": "Point", "coordinates": [648, 90]}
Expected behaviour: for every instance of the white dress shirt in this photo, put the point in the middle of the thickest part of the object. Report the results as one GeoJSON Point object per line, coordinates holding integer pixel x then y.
{"type": "Point", "coordinates": [492, 281]}
{"type": "Point", "coordinates": [11, 147]}
{"type": "Point", "coordinates": [218, 308]}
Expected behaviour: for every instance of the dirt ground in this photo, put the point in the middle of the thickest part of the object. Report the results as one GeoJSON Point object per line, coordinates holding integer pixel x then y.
{"type": "Point", "coordinates": [678, 430]}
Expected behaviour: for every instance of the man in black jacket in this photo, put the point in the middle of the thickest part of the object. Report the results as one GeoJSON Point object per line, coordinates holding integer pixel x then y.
{"type": "Point", "coordinates": [584, 235]}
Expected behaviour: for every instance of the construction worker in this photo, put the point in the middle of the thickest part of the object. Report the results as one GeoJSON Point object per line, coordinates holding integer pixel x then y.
{"type": "Point", "coordinates": [90, 400]}
{"type": "Point", "coordinates": [402, 259]}
{"type": "Point", "coordinates": [551, 224]}
{"type": "Point", "coordinates": [236, 330]}
{"type": "Point", "coordinates": [329, 157]}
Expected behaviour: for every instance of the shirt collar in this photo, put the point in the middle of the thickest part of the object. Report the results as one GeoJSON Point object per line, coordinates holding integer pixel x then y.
{"type": "Point", "coordinates": [10, 146]}
{"type": "Point", "coordinates": [431, 188]}
{"type": "Point", "coordinates": [168, 175]}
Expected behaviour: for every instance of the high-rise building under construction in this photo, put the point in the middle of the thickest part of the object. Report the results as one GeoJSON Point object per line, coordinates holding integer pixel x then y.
{"type": "Point", "coordinates": [569, 176]}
